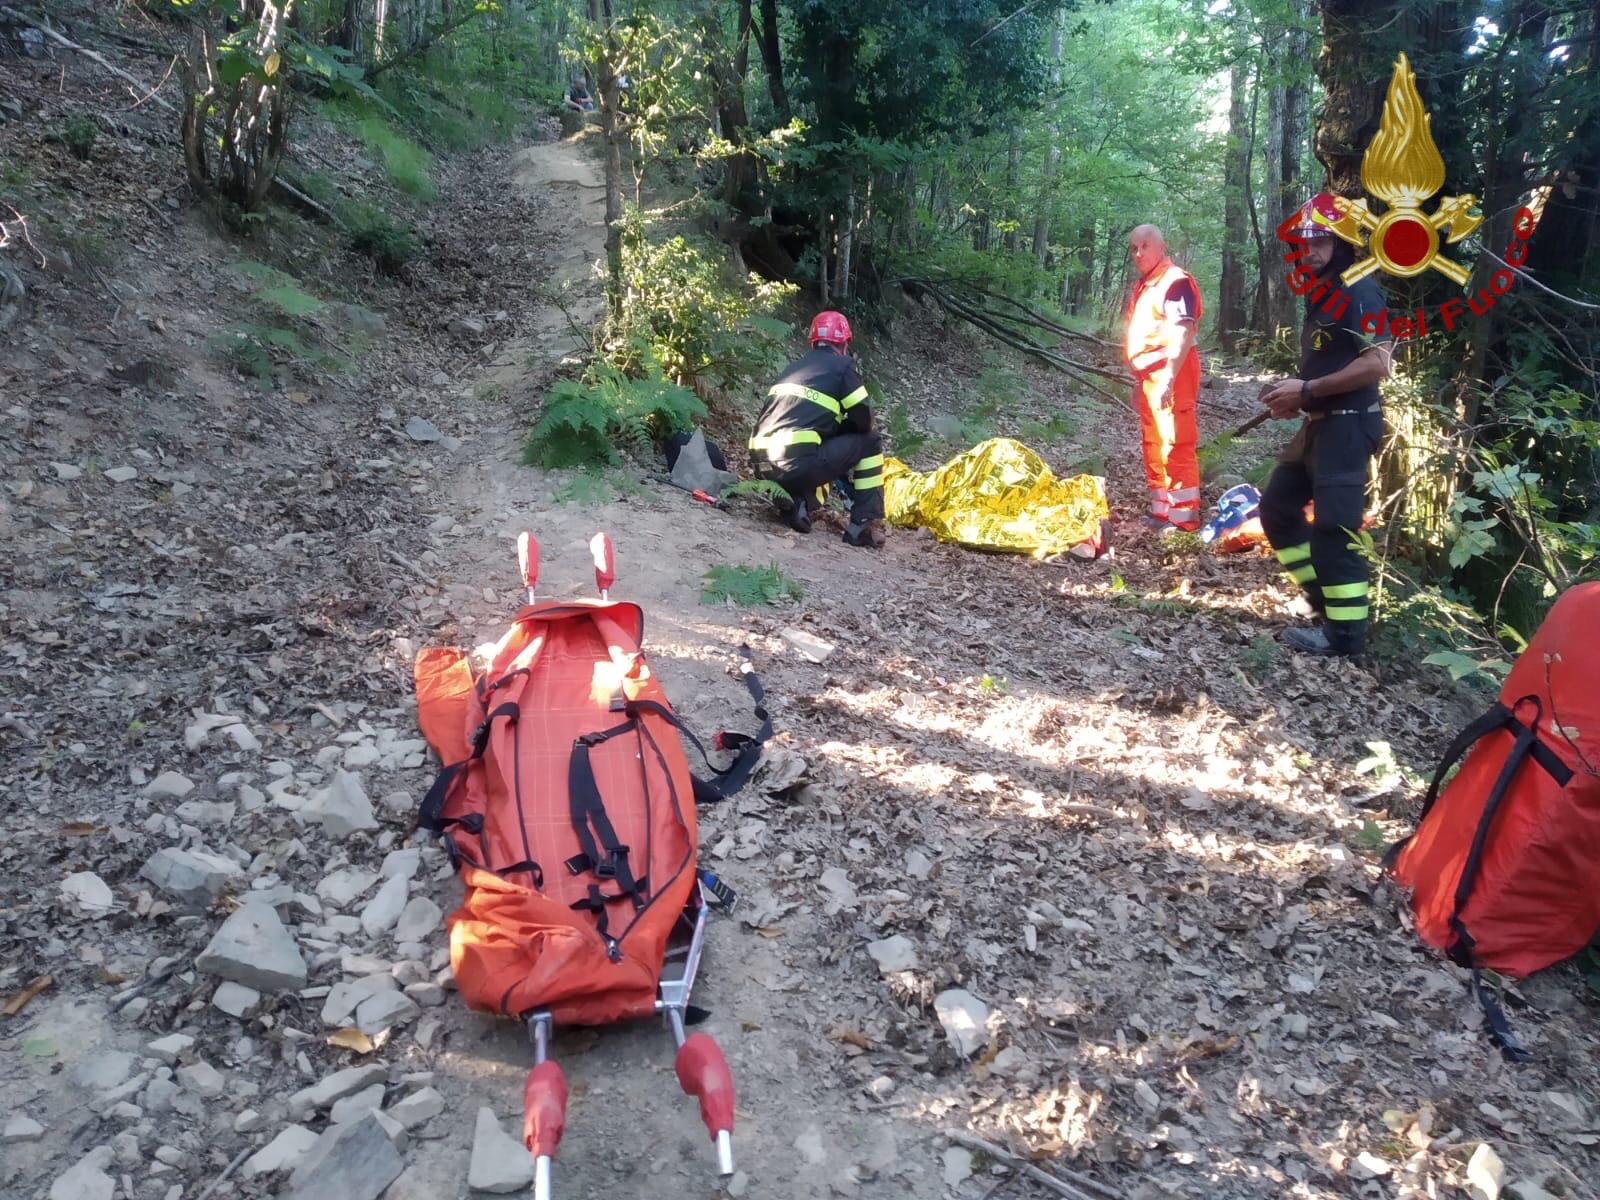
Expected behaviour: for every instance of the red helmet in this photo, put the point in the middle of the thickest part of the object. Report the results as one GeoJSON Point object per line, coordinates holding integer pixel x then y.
{"type": "Point", "coordinates": [830, 328]}
{"type": "Point", "coordinates": [1317, 217]}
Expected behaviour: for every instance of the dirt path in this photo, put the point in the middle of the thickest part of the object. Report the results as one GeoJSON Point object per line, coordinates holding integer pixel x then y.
{"type": "Point", "coordinates": [630, 1131]}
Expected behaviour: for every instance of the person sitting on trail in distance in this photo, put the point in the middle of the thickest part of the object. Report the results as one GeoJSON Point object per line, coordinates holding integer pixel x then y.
{"type": "Point", "coordinates": [817, 430]}
{"type": "Point", "coordinates": [1163, 313]}
{"type": "Point", "coordinates": [1326, 463]}
{"type": "Point", "coordinates": [577, 97]}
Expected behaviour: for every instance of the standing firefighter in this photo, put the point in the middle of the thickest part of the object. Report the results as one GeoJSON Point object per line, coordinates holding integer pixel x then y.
{"type": "Point", "coordinates": [1327, 462]}
{"type": "Point", "coordinates": [1162, 318]}
{"type": "Point", "coordinates": [817, 430]}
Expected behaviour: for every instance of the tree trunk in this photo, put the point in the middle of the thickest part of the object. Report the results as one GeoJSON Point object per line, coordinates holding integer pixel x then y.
{"type": "Point", "coordinates": [348, 34]}
{"type": "Point", "coordinates": [1013, 186]}
{"type": "Point", "coordinates": [1354, 79]}
{"type": "Point", "coordinates": [772, 60]}
{"type": "Point", "coordinates": [1235, 179]}
{"type": "Point", "coordinates": [600, 18]}
{"type": "Point", "coordinates": [1052, 156]}
{"type": "Point", "coordinates": [847, 242]}
{"type": "Point", "coordinates": [380, 19]}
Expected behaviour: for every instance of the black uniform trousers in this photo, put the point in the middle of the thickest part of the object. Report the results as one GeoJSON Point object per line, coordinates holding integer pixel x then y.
{"type": "Point", "coordinates": [854, 461]}
{"type": "Point", "coordinates": [1326, 463]}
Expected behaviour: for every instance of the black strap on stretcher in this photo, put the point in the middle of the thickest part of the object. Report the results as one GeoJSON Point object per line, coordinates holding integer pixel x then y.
{"type": "Point", "coordinates": [1525, 745]}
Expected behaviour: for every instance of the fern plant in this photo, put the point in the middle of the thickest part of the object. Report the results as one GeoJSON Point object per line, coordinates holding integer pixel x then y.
{"type": "Point", "coordinates": [585, 422]}
{"type": "Point", "coordinates": [760, 488]}
{"type": "Point", "coordinates": [748, 586]}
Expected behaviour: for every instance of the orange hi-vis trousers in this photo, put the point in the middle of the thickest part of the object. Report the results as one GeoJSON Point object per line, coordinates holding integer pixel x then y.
{"type": "Point", "coordinates": [1171, 466]}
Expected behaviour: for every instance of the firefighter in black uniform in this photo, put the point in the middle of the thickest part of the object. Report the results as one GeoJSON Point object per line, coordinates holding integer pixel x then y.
{"type": "Point", "coordinates": [1327, 462]}
{"type": "Point", "coordinates": [816, 430]}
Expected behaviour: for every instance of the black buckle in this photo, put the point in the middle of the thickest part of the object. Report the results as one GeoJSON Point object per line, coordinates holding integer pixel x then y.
{"type": "Point", "coordinates": [725, 896]}
{"type": "Point", "coordinates": [607, 869]}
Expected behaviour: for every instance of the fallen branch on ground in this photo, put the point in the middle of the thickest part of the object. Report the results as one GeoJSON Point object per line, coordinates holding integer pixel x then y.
{"type": "Point", "coordinates": [93, 56]}
{"type": "Point", "coordinates": [301, 200]}
{"type": "Point", "coordinates": [1081, 1188]}
{"type": "Point", "coordinates": [993, 324]}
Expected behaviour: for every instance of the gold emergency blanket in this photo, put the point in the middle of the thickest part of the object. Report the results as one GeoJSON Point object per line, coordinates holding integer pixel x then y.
{"type": "Point", "coordinates": [999, 495]}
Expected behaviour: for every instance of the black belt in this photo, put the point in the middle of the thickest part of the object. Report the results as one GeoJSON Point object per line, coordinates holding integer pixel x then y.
{"type": "Point", "coordinates": [1341, 412]}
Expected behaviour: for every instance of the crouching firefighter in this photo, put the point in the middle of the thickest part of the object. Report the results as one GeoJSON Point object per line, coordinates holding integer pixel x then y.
{"type": "Point", "coordinates": [816, 430]}
{"type": "Point", "coordinates": [1328, 459]}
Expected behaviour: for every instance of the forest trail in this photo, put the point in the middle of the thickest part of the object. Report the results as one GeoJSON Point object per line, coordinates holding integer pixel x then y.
{"type": "Point", "coordinates": [630, 1131]}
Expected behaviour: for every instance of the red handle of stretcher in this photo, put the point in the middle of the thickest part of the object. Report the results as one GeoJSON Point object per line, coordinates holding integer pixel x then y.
{"type": "Point", "coordinates": [544, 1109]}
{"type": "Point", "coordinates": [528, 559]}
{"type": "Point", "coordinates": [605, 563]}
{"type": "Point", "coordinates": [703, 1073]}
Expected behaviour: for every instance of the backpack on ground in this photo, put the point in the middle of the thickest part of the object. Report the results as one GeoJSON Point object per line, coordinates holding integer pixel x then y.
{"type": "Point", "coordinates": [1504, 866]}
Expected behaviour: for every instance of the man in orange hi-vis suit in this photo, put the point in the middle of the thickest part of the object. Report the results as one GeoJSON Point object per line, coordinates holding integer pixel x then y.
{"type": "Point", "coordinates": [1163, 317]}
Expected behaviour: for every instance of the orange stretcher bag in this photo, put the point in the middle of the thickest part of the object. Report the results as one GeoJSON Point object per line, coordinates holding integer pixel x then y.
{"type": "Point", "coordinates": [568, 807]}
{"type": "Point", "coordinates": [1504, 866]}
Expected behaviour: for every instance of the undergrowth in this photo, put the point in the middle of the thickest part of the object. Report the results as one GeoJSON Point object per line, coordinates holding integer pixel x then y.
{"type": "Point", "coordinates": [284, 334]}
{"type": "Point", "coordinates": [748, 586]}
{"type": "Point", "coordinates": [583, 422]}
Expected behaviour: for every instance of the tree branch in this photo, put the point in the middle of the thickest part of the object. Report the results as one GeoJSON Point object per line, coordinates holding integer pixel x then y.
{"type": "Point", "coordinates": [413, 50]}
{"type": "Point", "coordinates": [44, 27]}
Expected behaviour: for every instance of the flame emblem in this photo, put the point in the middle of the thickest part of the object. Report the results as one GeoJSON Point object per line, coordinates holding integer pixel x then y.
{"type": "Point", "coordinates": [1402, 168]}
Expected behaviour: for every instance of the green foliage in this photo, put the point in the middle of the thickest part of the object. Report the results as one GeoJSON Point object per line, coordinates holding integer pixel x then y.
{"type": "Point", "coordinates": [762, 488]}
{"type": "Point", "coordinates": [1370, 837]}
{"type": "Point", "coordinates": [707, 332]}
{"type": "Point", "coordinates": [904, 441]}
{"type": "Point", "coordinates": [1055, 429]}
{"type": "Point", "coordinates": [286, 333]}
{"type": "Point", "coordinates": [1213, 455]}
{"type": "Point", "coordinates": [78, 134]}
{"type": "Point", "coordinates": [1258, 659]}
{"type": "Point", "coordinates": [406, 163]}
{"type": "Point", "coordinates": [994, 686]}
{"type": "Point", "coordinates": [748, 586]}
{"type": "Point", "coordinates": [388, 243]}
{"type": "Point", "coordinates": [583, 422]}
{"type": "Point", "coordinates": [289, 300]}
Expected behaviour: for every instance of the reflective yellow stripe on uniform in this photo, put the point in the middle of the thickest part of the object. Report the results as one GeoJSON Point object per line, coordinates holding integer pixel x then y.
{"type": "Point", "coordinates": [853, 399]}
{"type": "Point", "coordinates": [801, 392]}
{"type": "Point", "coordinates": [864, 483]}
{"type": "Point", "coordinates": [869, 463]}
{"type": "Point", "coordinates": [1296, 562]}
{"type": "Point", "coordinates": [1346, 612]}
{"type": "Point", "coordinates": [772, 442]}
{"type": "Point", "coordinates": [1346, 591]}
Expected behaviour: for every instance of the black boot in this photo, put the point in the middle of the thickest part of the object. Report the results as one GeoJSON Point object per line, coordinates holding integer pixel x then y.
{"type": "Point", "coordinates": [868, 534]}
{"type": "Point", "coordinates": [1318, 641]}
{"type": "Point", "coordinates": [799, 519]}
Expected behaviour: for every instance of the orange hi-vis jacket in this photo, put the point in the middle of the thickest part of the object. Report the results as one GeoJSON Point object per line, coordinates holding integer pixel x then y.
{"type": "Point", "coordinates": [1145, 342]}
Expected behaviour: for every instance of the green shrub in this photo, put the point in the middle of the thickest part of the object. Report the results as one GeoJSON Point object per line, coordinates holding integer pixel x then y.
{"type": "Point", "coordinates": [706, 332]}
{"type": "Point", "coordinates": [748, 586]}
{"type": "Point", "coordinates": [78, 135]}
{"type": "Point", "coordinates": [585, 422]}
{"type": "Point", "coordinates": [388, 243]}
